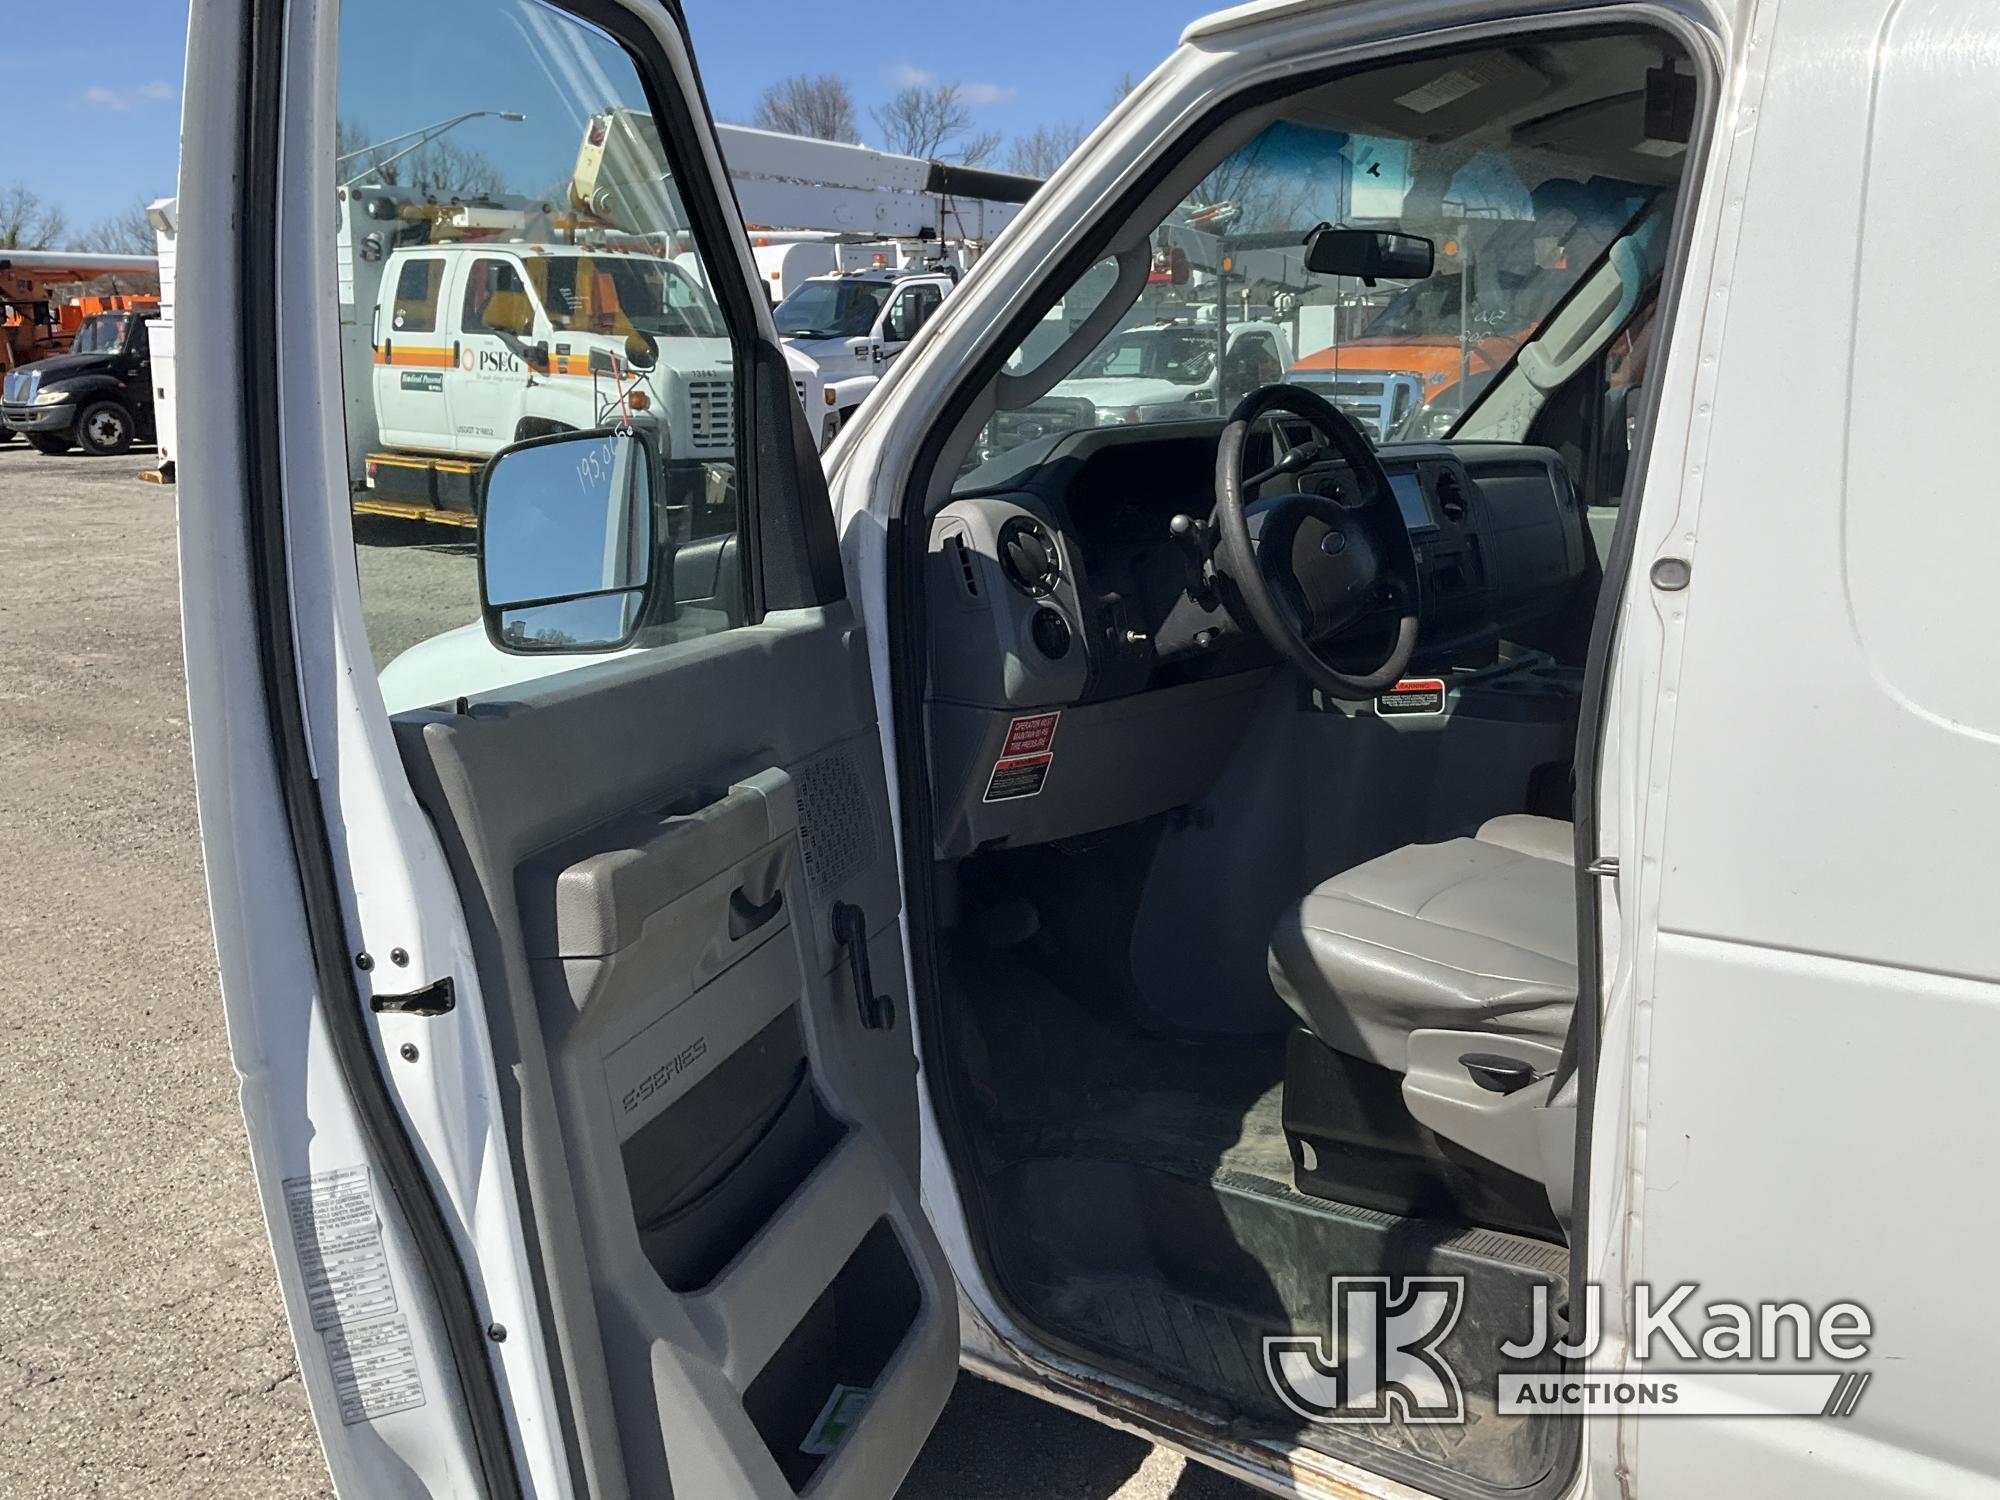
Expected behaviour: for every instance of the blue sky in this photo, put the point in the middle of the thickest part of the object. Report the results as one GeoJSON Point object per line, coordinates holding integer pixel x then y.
{"type": "Point", "coordinates": [115, 110]}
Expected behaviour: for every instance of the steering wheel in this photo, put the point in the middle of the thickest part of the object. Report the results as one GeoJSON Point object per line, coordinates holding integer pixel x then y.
{"type": "Point", "coordinates": [1317, 564]}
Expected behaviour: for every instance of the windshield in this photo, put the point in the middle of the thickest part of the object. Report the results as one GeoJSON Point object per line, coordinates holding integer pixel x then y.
{"type": "Point", "coordinates": [832, 309]}
{"type": "Point", "coordinates": [1185, 356]}
{"type": "Point", "coordinates": [1524, 175]}
{"type": "Point", "coordinates": [616, 294]}
{"type": "Point", "coordinates": [100, 333]}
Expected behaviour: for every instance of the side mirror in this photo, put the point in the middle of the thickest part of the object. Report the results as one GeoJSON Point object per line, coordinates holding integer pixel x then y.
{"type": "Point", "coordinates": [1369, 254]}
{"type": "Point", "coordinates": [566, 555]}
{"type": "Point", "coordinates": [642, 350]}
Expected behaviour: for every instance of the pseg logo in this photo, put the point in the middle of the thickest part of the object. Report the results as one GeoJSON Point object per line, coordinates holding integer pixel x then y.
{"type": "Point", "coordinates": [1386, 1359]}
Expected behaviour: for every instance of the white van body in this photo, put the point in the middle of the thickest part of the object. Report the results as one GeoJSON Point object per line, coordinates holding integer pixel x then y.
{"type": "Point", "coordinates": [1788, 795]}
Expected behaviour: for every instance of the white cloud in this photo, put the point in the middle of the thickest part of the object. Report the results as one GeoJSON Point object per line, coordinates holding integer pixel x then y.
{"type": "Point", "coordinates": [122, 100]}
{"type": "Point", "coordinates": [905, 75]}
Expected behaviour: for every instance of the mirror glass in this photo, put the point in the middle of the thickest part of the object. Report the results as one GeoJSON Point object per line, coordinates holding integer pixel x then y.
{"type": "Point", "coordinates": [566, 542]}
{"type": "Point", "coordinates": [1369, 253]}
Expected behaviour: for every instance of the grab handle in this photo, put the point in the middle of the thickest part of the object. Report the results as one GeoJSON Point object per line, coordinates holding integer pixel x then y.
{"type": "Point", "coordinates": [850, 929]}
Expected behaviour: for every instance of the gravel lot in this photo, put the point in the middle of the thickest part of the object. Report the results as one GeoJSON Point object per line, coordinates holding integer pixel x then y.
{"type": "Point", "coordinates": [142, 1347]}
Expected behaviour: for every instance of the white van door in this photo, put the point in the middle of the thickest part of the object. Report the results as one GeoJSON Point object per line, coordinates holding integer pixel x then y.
{"type": "Point", "coordinates": [569, 1009]}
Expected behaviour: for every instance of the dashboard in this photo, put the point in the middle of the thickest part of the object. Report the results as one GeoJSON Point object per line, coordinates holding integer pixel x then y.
{"type": "Point", "coordinates": [1057, 583]}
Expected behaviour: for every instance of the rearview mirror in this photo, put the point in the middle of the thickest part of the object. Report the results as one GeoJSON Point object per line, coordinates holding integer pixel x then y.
{"type": "Point", "coordinates": [566, 557]}
{"type": "Point", "coordinates": [1369, 254]}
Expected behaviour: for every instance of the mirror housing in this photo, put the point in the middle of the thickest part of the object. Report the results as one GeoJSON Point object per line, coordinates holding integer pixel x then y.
{"type": "Point", "coordinates": [1369, 254]}
{"type": "Point", "coordinates": [642, 350]}
{"type": "Point", "coordinates": [568, 553]}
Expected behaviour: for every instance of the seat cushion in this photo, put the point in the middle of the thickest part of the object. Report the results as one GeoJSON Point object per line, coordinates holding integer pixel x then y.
{"type": "Point", "coordinates": [1473, 934]}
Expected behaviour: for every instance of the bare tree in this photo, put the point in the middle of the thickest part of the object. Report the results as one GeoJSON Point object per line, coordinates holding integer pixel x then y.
{"type": "Point", "coordinates": [1044, 148]}
{"type": "Point", "coordinates": [813, 104]}
{"type": "Point", "coordinates": [445, 169]}
{"type": "Point", "coordinates": [1248, 194]}
{"type": "Point", "coordinates": [128, 232]}
{"type": "Point", "coordinates": [28, 221]}
{"type": "Point", "coordinates": [934, 121]}
{"type": "Point", "coordinates": [439, 168]}
{"type": "Point", "coordinates": [980, 150]}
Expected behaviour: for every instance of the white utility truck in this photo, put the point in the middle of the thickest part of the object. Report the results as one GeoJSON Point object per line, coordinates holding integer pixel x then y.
{"type": "Point", "coordinates": [852, 324]}
{"type": "Point", "coordinates": [1453, 967]}
{"type": "Point", "coordinates": [482, 344]}
{"type": "Point", "coordinates": [485, 320]}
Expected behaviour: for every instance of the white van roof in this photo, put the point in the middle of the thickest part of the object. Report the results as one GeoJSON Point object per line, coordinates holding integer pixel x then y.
{"type": "Point", "coordinates": [1236, 16]}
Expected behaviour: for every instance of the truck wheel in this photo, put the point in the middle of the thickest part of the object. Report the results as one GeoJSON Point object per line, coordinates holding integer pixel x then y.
{"type": "Point", "coordinates": [104, 428]}
{"type": "Point", "coordinates": [49, 442]}
{"type": "Point", "coordinates": [6, 433]}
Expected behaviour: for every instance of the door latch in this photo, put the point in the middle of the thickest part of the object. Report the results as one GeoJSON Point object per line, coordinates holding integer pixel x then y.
{"type": "Point", "coordinates": [850, 929]}
{"type": "Point", "coordinates": [431, 1000]}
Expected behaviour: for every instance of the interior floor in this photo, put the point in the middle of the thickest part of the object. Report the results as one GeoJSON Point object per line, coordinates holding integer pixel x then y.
{"type": "Point", "coordinates": [1141, 1190]}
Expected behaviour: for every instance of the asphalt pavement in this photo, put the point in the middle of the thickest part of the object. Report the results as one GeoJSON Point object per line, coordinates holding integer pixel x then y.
{"type": "Point", "coordinates": [143, 1350]}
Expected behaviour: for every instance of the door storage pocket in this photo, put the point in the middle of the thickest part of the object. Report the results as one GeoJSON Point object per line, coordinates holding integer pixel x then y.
{"type": "Point", "coordinates": [708, 1174]}
{"type": "Point", "coordinates": [813, 1388]}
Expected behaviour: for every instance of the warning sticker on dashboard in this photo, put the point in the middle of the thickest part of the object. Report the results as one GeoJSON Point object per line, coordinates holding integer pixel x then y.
{"type": "Point", "coordinates": [1413, 695]}
{"type": "Point", "coordinates": [1023, 766]}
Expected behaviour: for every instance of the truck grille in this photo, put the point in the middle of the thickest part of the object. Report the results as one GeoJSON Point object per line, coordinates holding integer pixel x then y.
{"type": "Point", "coordinates": [1378, 402]}
{"type": "Point", "coordinates": [800, 387]}
{"type": "Point", "coordinates": [712, 413]}
{"type": "Point", "coordinates": [20, 386]}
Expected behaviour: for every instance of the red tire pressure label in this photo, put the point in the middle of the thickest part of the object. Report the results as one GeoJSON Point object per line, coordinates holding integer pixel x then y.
{"type": "Point", "coordinates": [1025, 759]}
{"type": "Point", "coordinates": [1413, 695]}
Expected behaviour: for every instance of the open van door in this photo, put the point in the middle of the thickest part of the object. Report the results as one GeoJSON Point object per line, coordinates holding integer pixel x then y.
{"type": "Point", "coordinates": [566, 980]}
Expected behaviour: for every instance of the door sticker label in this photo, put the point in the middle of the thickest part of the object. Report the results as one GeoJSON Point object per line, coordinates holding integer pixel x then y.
{"type": "Point", "coordinates": [374, 1369]}
{"type": "Point", "coordinates": [836, 1419]}
{"type": "Point", "coordinates": [351, 1295]}
{"type": "Point", "coordinates": [1413, 695]}
{"type": "Point", "coordinates": [1025, 759]}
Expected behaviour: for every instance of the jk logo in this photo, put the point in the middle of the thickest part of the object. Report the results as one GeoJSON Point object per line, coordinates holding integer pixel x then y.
{"type": "Point", "coordinates": [1383, 1364]}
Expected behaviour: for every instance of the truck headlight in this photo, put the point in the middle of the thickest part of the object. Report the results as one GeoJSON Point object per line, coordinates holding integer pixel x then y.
{"type": "Point", "coordinates": [52, 398]}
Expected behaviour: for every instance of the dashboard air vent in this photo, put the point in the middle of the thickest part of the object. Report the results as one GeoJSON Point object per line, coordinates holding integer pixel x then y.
{"type": "Point", "coordinates": [968, 573]}
{"type": "Point", "coordinates": [1451, 494]}
{"type": "Point", "coordinates": [1029, 557]}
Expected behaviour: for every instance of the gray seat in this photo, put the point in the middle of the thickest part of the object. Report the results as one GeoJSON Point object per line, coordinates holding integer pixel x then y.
{"type": "Point", "coordinates": [1473, 934]}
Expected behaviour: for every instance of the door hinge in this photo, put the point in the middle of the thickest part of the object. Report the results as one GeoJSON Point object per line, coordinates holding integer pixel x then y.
{"type": "Point", "coordinates": [1604, 866]}
{"type": "Point", "coordinates": [431, 1000]}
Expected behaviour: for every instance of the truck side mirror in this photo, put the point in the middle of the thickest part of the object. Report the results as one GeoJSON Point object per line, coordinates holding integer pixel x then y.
{"type": "Point", "coordinates": [566, 542]}
{"type": "Point", "coordinates": [642, 350]}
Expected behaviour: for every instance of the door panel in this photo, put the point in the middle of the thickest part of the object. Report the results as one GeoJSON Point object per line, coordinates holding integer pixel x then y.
{"type": "Point", "coordinates": [410, 399]}
{"type": "Point", "coordinates": [485, 383]}
{"type": "Point", "coordinates": [738, 1143]}
{"type": "Point", "coordinates": [565, 975]}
